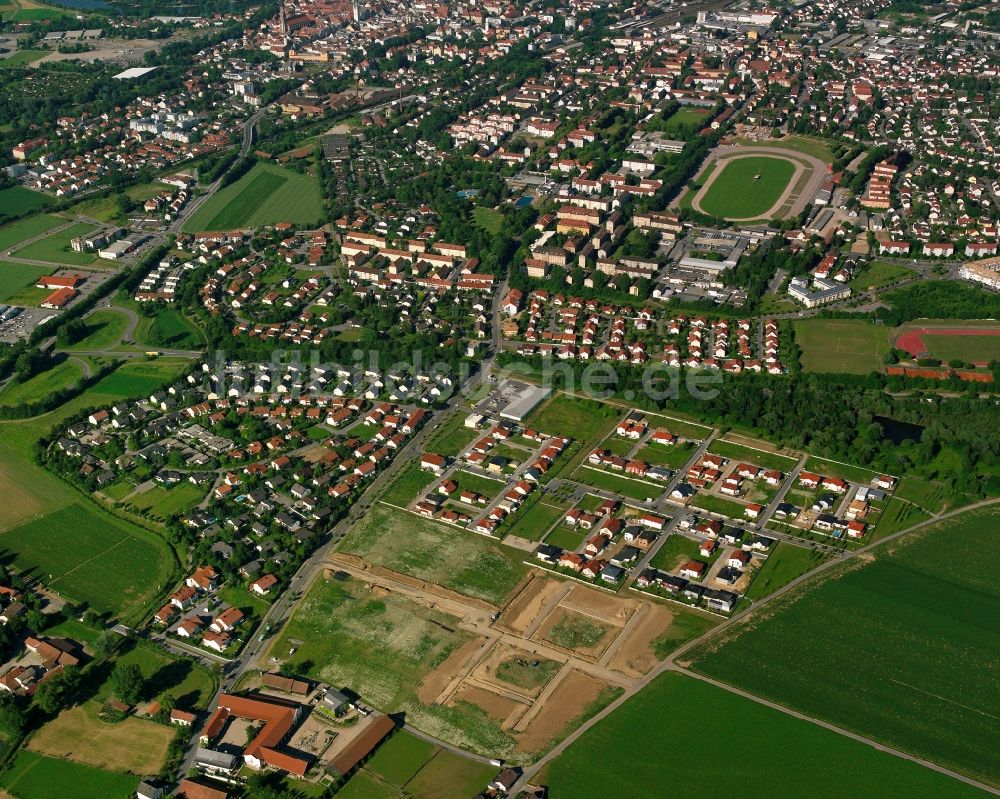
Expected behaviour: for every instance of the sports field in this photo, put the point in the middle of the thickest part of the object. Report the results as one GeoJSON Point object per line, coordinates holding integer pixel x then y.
{"type": "Point", "coordinates": [17, 200]}
{"type": "Point", "coordinates": [34, 776]}
{"type": "Point", "coordinates": [853, 346]}
{"type": "Point", "coordinates": [767, 754]}
{"type": "Point", "coordinates": [89, 556]}
{"type": "Point", "coordinates": [972, 342]}
{"type": "Point", "coordinates": [461, 561]}
{"type": "Point", "coordinates": [901, 648]}
{"type": "Point", "coordinates": [747, 187]}
{"type": "Point", "coordinates": [265, 195]}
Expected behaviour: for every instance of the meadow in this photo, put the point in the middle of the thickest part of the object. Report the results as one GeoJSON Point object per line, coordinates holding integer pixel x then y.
{"type": "Point", "coordinates": [619, 484]}
{"type": "Point", "coordinates": [267, 194]}
{"type": "Point", "coordinates": [905, 653]}
{"type": "Point", "coordinates": [853, 346]}
{"type": "Point", "coordinates": [140, 378]}
{"type": "Point", "coordinates": [762, 458]}
{"type": "Point", "coordinates": [575, 417]}
{"type": "Point", "coordinates": [768, 755]}
{"type": "Point", "coordinates": [747, 187]}
{"type": "Point", "coordinates": [461, 561]}
{"type": "Point", "coordinates": [63, 375]}
{"type": "Point", "coordinates": [408, 483]}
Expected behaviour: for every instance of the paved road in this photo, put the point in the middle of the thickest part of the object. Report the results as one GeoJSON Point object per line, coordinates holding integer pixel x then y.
{"type": "Point", "coordinates": [675, 663]}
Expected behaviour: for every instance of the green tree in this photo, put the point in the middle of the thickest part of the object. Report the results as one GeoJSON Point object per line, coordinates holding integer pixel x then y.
{"type": "Point", "coordinates": [128, 682]}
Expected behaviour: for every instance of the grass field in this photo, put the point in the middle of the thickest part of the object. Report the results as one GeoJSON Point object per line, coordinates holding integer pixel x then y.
{"type": "Point", "coordinates": [89, 556]}
{"type": "Point", "coordinates": [169, 329]}
{"type": "Point", "coordinates": [738, 452]}
{"type": "Point", "coordinates": [55, 248]}
{"type": "Point", "coordinates": [575, 417]}
{"type": "Point", "coordinates": [27, 228]}
{"type": "Point", "coordinates": [905, 653]}
{"type": "Point", "coordinates": [23, 57]}
{"type": "Point", "coordinates": [536, 521]}
{"type": "Point", "coordinates": [879, 274]}
{"type": "Point", "coordinates": [410, 482]}
{"type": "Point", "coordinates": [684, 118]}
{"type": "Point", "coordinates": [798, 759]}
{"type": "Point", "coordinates": [191, 686]}
{"type": "Point", "coordinates": [17, 200]}
{"type": "Point", "coordinates": [970, 349]}
{"type": "Point", "coordinates": [162, 502]}
{"type": "Point", "coordinates": [488, 219]}
{"type": "Point", "coordinates": [452, 437]}
{"type": "Point", "coordinates": [747, 187]}
{"type": "Point", "coordinates": [137, 746]}
{"type": "Point", "coordinates": [841, 345]}
{"type": "Point", "coordinates": [383, 646]}
{"type": "Point", "coordinates": [929, 495]}
{"type": "Point", "coordinates": [139, 378]}
{"type": "Point", "coordinates": [265, 195]}
{"type": "Point", "coordinates": [60, 376]}
{"type": "Point", "coordinates": [626, 486]}
{"type": "Point", "coordinates": [783, 565]}
{"type": "Point", "coordinates": [16, 277]}
{"type": "Point", "coordinates": [34, 776]}
{"type": "Point", "coordinates": [462, 561]}
{"type": "Point", "coordinates": [104, 331]}
{"type": "Point", "coordinates": [673, 456]}
{"type": "Point", "coordinates": [847, 471]}
{"type": "Point", "coordinates": [675, 549]}
{"type": "Point", "coordinates": [818, 148]}
{"type": "Point", "coordinates": [717, 504]}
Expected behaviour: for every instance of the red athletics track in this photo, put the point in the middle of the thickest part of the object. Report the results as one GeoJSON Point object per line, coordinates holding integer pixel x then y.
{"type": "Point", "coordinates": [912, 341]}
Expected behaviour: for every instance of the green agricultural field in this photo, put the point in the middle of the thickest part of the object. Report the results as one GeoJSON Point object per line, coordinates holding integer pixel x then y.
{"type": "Point", "coordinates": [854, 346]}
{"type": "Point", "coordinates": [363, 785]}
{"type": "Point", "coordinates": [16, 277]}
{"type": "Point", "coordinates": [267, 194]}
{"type": "Point", "coordinates": [55, 248]}
{"type": "Point", "coordinates": [575, 417]}
{"type": "Point", "coordinates": [901, 649]}
{"type": "Point", "coordinates": [410, 482]}
{"type": "Point", "coordinates": [739, 452]}
{"type": "Point", "coordinates": [784, 564]}
{"type": "Point", "coordinates": [90, 556]}
{"type": "Point", "coordinates": [747, 188]}
{"type": "Point", "coordinates": [608, 481]}
{"type": "Point", "coordinates": [63, 375]}
{"type": "Point", "coordinates": [140, 378]}
{"type": "Point", "coordinates": [753, 770]}
{"type": "Point", "coordinates": [400, 758]}
{"type": "Point", "coordinates": [450, 776]}
{"type": "Point", "coordinates": [879, 274]}
{"type": "Point", "coordinates": [17, 199]}
{"type": "Point", "coordinates": [33, 776]}
{"type": "Point", "coordinates": [462, 561]}
{"type": "Point", "coordinates": [28, 228]}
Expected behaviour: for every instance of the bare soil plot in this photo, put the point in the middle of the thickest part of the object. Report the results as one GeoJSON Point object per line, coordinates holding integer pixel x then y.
{"type": "Point", "coordinates": [583, 635]}
{"type": "Point", "coordinates": [635, 655]}
{"type": "Point", "coordinates": [455, 665]}
{"type": "Point", "coordinates": [528, 606]}
{"type": "Point", "coordinates": [504, 710]}
{"type": "Point", "coordinates": [572, 697]}
{"type": "Point", "coordinates": [607, 608]}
